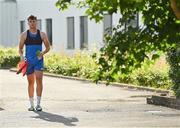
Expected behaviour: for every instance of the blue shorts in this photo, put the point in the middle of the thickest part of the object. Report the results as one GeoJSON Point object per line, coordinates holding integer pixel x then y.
{"type": "Point", "coordinates": [34, 65]}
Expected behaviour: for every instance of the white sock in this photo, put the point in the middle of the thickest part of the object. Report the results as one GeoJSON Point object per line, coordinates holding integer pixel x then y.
{"type": "Point", "coordinates": [31, 99]}
{"type": "Point", "coordinates": [38, 100]}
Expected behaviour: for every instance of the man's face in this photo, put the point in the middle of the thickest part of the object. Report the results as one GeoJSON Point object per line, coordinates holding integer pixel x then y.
{"type": "Point", "coordinates": [32, 23]}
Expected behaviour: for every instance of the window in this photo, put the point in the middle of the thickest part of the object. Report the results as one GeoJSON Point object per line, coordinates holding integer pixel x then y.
{"type": "Point", "coordinates": [22, 26]}
{"type": "Point", "coordinates": [83, 32]}
{"type": "Point", "coordinates": [70, 32]}
{"type": "Point", "coordinates": [107, 26]}
{"type": "Point", "coordinates": [134, 22]}
{"type": "Point", "coordinates": [39, 24]}
{"type": "Point", "coordinates": [10, 0]}
{"type": "Point", "coordinates": [49, 29]}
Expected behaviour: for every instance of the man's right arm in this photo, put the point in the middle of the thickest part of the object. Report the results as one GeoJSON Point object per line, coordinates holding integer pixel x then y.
{"type": "Point", "coordinates": [21, 45]}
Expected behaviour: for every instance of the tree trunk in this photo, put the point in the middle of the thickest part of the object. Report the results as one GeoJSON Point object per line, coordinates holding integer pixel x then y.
{"type": "Point", "coordinates": [175, 8]}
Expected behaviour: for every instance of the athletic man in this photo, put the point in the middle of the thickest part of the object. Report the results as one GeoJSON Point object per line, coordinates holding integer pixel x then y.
{"type": "Point", "coordinates": [32, 39]}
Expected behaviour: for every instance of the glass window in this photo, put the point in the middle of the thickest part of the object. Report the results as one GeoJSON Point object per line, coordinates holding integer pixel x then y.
{"type": "Point", "coordinates": [70, 32]}
{"type": "Point", "coordinates": [107, 26]}
{"type": "Point", "coordinates": [49, 29]}
{"type": "Point", "coordinates": [83, 32]}
{"type": "Point", "coordinates": [22, 26]}
{"type": "Point", "coordinates": [39, 24]}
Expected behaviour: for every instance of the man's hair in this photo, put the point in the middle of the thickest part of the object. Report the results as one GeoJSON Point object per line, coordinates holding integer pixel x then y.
{"type": "Point", "coordinates": [32, 17]}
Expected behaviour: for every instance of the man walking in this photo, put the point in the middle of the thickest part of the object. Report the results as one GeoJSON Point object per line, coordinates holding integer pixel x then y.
{"type": "Point", "coordinates": [33, 40]}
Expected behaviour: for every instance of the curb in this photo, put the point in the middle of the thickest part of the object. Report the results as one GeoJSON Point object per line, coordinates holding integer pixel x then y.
{"type": "Point", "coordinates": [58, 76]}
{"type": "Point", "coordinates": [130, 86]}
{"type": "Point", "coordinates": [170, 102]}
{"type": "Point", "coordinates": [123, 85]}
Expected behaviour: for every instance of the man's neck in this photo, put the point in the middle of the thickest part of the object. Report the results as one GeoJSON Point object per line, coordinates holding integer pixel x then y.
{"type": "Point", "coordinates": [33, 30]}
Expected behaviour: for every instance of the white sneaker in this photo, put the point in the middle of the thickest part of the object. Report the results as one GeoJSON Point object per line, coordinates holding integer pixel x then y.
{"type": "Point", "coordinates": [38, 108]}
{"type": "Point", "coordinates": [31, 108]}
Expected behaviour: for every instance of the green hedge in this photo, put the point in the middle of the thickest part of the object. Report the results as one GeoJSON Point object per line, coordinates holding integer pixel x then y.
{"type": "Point", "coordinates": [154, 75]}
{"type": "Point", "coordinates": [173, 58]}
{"type": "Point", "coordinates": [78, 65]}
{"type": "Point", "coordinates": [8, 57]}
{"type": "Point", "coordinates": [83, 65]}
{"type": "Point", "coordinates": [153, 78]}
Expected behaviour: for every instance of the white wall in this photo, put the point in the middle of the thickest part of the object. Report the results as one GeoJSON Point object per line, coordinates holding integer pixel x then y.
{"type": "Point", "coordinates": [0, 22]}
{"type": "Point", "coordinates": [47, 9]}
{"type": "Point", "coordinates": [44, 9]}
{"type": "Point", "coordinates": [8, 24]}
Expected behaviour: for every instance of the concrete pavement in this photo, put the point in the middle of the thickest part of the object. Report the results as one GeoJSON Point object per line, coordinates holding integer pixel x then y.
{"type": "Point", "coordinates": [69, 103]}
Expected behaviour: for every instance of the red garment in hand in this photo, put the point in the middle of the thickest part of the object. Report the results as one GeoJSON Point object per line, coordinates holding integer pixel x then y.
{"type": "Point", "coordinates": [22, 67]}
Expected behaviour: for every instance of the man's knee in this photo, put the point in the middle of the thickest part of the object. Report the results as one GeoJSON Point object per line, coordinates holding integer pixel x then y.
{"type": "Point", "coordinates": [39, 78]}
{"type": "Point", "coordinates": [31, 85]}
{"type": "Point", "coordinates": [31, 79]}
{"type": "Point", "coordinates": [38, 72]}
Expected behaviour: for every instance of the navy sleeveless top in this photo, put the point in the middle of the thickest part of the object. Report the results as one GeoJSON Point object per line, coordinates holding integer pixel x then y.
{"type": "Point", "coordinates": [33, 44]}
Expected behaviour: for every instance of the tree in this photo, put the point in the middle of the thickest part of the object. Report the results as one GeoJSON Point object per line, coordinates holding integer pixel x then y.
{"type": "Point", "coordinates": [175, 7]}
{"type": "Point", "coordinates": [96, 8]}
{"type": "Point", "coordinates": [127, 49]}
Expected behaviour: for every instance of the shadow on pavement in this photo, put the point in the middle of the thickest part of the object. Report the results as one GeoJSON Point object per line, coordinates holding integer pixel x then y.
{"type": "Point", "coordinates": [56, 118]}
{"type": "Point", "coordinates": [168, 115]}
{"type": "Point", "coordinates": [1, 109]}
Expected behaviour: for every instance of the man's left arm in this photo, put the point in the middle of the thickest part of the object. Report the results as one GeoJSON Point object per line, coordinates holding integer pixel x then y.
{"type": "Point", "coordinates": [46, 43]}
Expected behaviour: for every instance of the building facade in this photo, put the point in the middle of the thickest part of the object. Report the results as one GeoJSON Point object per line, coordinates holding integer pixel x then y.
{"type": "Point", "coordinates": [67, 31]}
{"type": "Point", "coordinates": [8, 23]}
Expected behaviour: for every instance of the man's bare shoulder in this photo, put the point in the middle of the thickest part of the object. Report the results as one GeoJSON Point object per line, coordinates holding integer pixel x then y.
{"type": "Point", "coordinates": [43, 35]}
{"type": "Point", "coordinates": [23, 35]}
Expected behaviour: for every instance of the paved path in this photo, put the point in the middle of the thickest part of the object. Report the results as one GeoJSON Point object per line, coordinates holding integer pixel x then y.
{"type": "Point", "coordinates": [68, 103]}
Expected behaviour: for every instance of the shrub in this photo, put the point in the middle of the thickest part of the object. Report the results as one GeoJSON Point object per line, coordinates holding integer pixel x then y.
{"type": "Point", "coordinates": [8, 57]}
{"type": "Point", "coordinates": [82, 65]}
{"type": "Point", "coordinates": [154, 75]}
{"type": "Point", "coordinates": [173, 58]}
{"type": "Point", "coordinates": [153, 78]}
{"type": "Point", "coordinates": [79, 65]}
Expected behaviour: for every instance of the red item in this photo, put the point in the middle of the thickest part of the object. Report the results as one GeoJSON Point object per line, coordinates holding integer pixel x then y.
{"type": "Point", "coordinates": [22, 67]}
